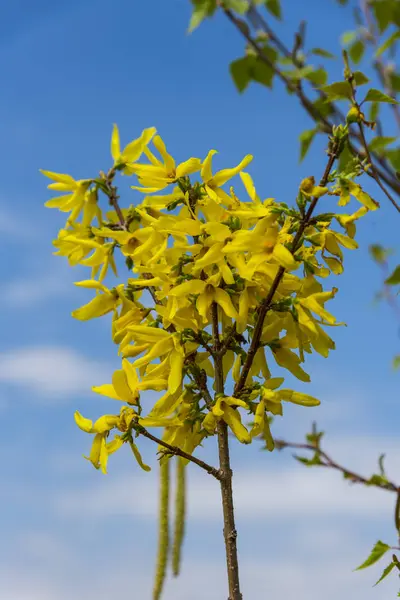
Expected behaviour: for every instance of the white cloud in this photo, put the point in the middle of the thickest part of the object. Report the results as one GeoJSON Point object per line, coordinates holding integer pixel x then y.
{"type": "Point", "coordinates": [27, 292]}
{"type": "Point", "coordinates": [15, 227]}
{"type": "Point", "coordinates": [51, 370]}
{"type": "Point", "coordinates": [286, 493]}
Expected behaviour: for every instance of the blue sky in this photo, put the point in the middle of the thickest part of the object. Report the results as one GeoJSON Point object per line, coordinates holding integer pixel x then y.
{"type": "Point", "coordinates": [69, 71]}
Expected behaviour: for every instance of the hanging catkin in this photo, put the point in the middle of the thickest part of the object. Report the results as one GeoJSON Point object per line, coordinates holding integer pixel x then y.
{"type": "Point", "coordinates": [163, 533]}
{"type": "Point", "coordinates": [180, 512]}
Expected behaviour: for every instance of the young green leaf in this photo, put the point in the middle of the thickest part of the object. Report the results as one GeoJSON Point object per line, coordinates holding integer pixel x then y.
{"type": "Point", "coordinates": [201, 10]}
{"type": "Point", "coordinates": [380, 142]}
{"type": "Point", "coordinates": [356, 51]}
{"type": "Point", "coordinates": [337, 90]}
{"type": "Point", "coordinates": [240, 72]}
{"type": "Point", "coordinates": [274, 7]}
{"type": "Point", "coordinates": [383, 13]}
{"type": "Point", "coordinates": [306, 138]}
{"type": "Point", "coordinates": [374, 95]}
{"type": "Point", "coordinates": [376, 554]}
{"type": "Point", "coordinates": [239, 6]}
{"type": "Point", "coordinates": [396, 362]}
{"type": "Point", "coordinates": [322, 52]}
{"type": "Point", "coordinates": [347, 37]}
{"type": "Point", "coordinates": [389, 42]}
{"type": "Point", "coordinates": [360, 78]}
{"type": "Point", "coordinates": [385, 572]}
{"type": "Point", "coordinates": [394, 278]}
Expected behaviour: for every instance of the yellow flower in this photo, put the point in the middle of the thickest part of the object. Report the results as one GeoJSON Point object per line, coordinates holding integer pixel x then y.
{"type": "Point", "coordinates": [132, 152]}
{"type": "Point", "coordinates": [213, 183]}
{"type": "Point", "coordinates": [126, 386]}
{"type": "Point", "coordinates": [159, 174]}
{"type": "Point", "coordinates": [263, 245]}
{"type": "Point", "coordinates": [208, 292]}
{"type": "Point", "coordinates": [73, 201]}
{"type": "Point", "coordinates": [223, 409]}
{"type": "Point", "coordinates": [101, 304]}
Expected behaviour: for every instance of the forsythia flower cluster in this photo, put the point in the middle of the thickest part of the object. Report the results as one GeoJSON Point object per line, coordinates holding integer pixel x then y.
{"type": "Point", "coordinates": [190, 248]}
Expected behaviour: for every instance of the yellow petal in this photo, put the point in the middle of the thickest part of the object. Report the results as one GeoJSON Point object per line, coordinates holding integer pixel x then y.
{"type": "Point", "coordinates": [193, 286]}
{"type": "Point", "coordinates": [82, 422]}
{"type": "Point", "coordinates": [115, 145]}
{"type": "Point", "coordinates": [134, 149]}
{"type": "Point", "coordinates": [167, 158]}
{"type": "Point", "coordinates": [224, 300]}
{"type": "Point", "coordinates": [234, 422]}
{"type": "Point", "coordinates": [189, 166]}
{"type": "Point", "coordinates": [138, 456]}
{"type": "Point", "coordinates": [99, 306]}
{"type": "Point", "coordinates": [284, 257]}
{"type": "Point", "coordinates": [105, 423]}
{"type": "Point", "coordinates": [166, 405]}
{"type": "Point", "coordinates": [223, 176]}
{"type": "Point", "coordinates": [60, 177]}
{"type": "Point", "coordinates": [206, 172]}
{"type": "Point", "coordinates": [175, 376]}
{"type": "Point", "coordinates": [298, 398]}
{"type": "Point", "coordinates": [120, 383]}
{"type": "Point", "coordinates": [106, 390]}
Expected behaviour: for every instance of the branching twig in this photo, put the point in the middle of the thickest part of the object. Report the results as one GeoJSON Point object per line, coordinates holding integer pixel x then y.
{"type": "Point", "coordinates": [330, 463]}
{"type": "Point", "coordinates": [384, 171]}
{"type": "Point", "coordinates": [178, 452]}
{"type": "Point", "coordinates": [266, 304]}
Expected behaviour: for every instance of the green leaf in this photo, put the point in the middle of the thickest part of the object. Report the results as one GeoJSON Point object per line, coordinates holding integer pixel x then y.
{"type": "Point", "coordinates": [322, 52]}
{"type": "Point", "coordinates": [240, 72]}
{"type": "Point", "coordinates": [383, 13]}
{"type": "Point", "coordinates": [378, 253]}
{"type": "Point", "coordinates": [386, 572]}
{"type": "Point", "coordinates": [356, 51]}
{"type": "Point", "coordinates": [395, 81]}
{"type": "Point", "coordinates": [377, 480]}
{"type": "Point", "coordinates": [239, 6]}
{"type": "Point", "coordinates": [251, 68]}
{"type": "Point", "coordinates": [306, 137]}
{"type": "Point", "coordinates": [378, 96]}
{"type": "Point", "coordinates": [317, 76]}
{"type": "Point", "coordinates": [374, 111]}
{"type": "Point", "coordinates": [347, 37]}
{"type": "Point", "coordinates": [337, 90]}
{"type": "Point", "coordinates": [201, 10]}
{"type": "Point", "coordinates": [389, 42]}
{"type": "Point", "coordinates": [360, 78]}
{"type": "Point", "coordinates": [261, 73]}
{"type": "Point", "coordinates": [396, 362]}
{"type": "Point", "coordinates": [394, 158]}
{"type": "Point", "coordinates": [274, 7]}
{"type": "Point", "coordinates": [380, 142]}
{"type": "Point", "coordinates": [377, 552]}
{"type": "Point", "coordinates": [394, 278]}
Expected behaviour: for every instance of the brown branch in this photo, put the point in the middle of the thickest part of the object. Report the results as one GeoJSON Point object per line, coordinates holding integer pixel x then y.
{"type": "Point", "coordinates": [178, 452]}
{"type": "Point", "coordinates": [373, 168]}
{"type": "Point", "coordinates": [384, 171]}
{"type": "Point", "coordinates": [230, 534]}
{"type": "Point", "coordinates": [266, 303]}
{"type": "Point", "coordinates": [379, 64]}
{"type": "Point", "coordinates": [330, 463]}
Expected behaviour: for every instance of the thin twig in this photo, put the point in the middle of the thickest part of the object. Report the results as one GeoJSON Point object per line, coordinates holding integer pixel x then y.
{"type": "Point", "coordinates": [266, 303]}
{"type": "Point", "coordinates": [178, 452]}
{"type": "Point", "coordinates": [230, 534]}
{"type": "Point", "coordinates": [384, 171]}
{"type": "Point", "coordinates": [355, 477]}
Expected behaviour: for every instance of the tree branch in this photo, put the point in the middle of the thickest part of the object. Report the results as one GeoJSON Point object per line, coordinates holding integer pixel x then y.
{"type": "Point", "coordinates": [178, 452]}
{"type": "Point", "coordinates": [266, 304]}
{"type": "Point", "coordinates": [230, 534]}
